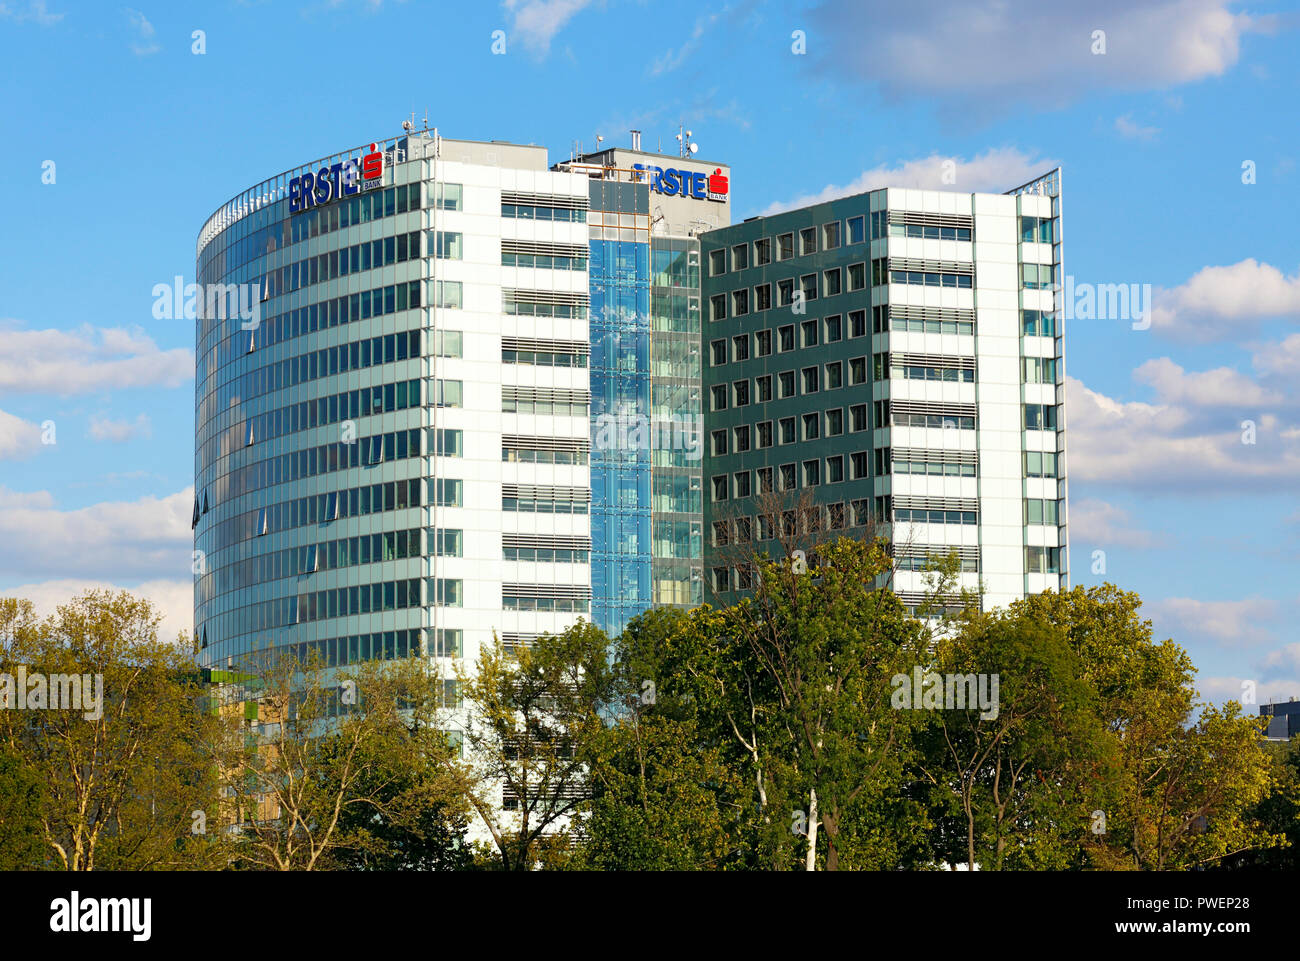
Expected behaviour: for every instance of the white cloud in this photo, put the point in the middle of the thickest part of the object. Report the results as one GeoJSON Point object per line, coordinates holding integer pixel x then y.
{"type": "Point", "coordinates": [1170, 447]}
{"type": "Point", "coordinates": [1096, 523]}
{"type": "Point", "coordinates": [174, 599]}
{"type": "Point", "coordinates": [1219, 303]}
{"type": "Point", "coordinates": [1221, 387]}
{"type": "Point", "coordinates": [1240, 623]}
{"type": "Point", "coordinates": [1283, 662]}
{"type": "Point", "coordinates": [119, 431]}
{"type": "Point", "coordinates": [995, 170]}
{"type": "Point", "coordinates": [1126, 127]}
{"type": "Point", "coordinates": [536, 22]}
{"type": "Point", "coordinates": [143, 539]}
{"type": "Point", "coordinates": [1281, 357]}
{"type": "Point", "coordinates": [986, 56]}
{"type": "Point", "coordinates": [87, 359]}
{"type": "Point", "coordinates": [18, 438]}
{"type": "Point", "coordinates": [146, 44]}
{"type": "Point", "coordinates": [1217, 690]}
{"type": "Point", "coordinates": [35, 13]}
{"type": "Point", "coordinates": [673, 59]}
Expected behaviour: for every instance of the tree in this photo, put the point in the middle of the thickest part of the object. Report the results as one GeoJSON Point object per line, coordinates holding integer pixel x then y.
{"type": "Point", "coordinates": [1177, 793]}
{"type": "Point", "coordinates": [527, 713]}
{"type": "Point", "coordinates": [664, 798]}
{"type": "Point", "coordinates": [22, 847]}
{"type": "Point", "coordinates": [347, 767]}
{"type": "Point", "coordinates": [124, 759]}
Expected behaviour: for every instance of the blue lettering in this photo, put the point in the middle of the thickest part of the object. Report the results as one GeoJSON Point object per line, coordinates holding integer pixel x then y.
{"type": "Point", "coordinates": [669, 183]}
{"type": "Point", "coordinates": [295, 195]}
{"type": "Point", "coordinates": [323, 185]}
{"type": "Point", "coordinates": [307, 184]}
{"type": "Point", "coordinates": [350, 178]}
{"type": "Point", "coordinates": [699, 186]}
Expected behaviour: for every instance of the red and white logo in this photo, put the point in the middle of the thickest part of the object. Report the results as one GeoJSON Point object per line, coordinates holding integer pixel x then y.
{"type": "Point", "coordinates": [372, 164]}
{"type": "Point", "coordinates": [718, 185]}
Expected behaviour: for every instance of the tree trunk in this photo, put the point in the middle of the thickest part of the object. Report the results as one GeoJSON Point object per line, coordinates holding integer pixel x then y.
{"type": "Point", "coordinates": [810, 862]}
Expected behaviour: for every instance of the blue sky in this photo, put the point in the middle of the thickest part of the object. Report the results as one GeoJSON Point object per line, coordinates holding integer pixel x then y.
{"type": "Point", "coordinates": [147, 137]}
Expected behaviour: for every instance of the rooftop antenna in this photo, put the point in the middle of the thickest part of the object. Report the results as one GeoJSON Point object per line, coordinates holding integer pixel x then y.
{"type": "Point", "coordinates": [409, 125]}
{"type": "Point", "coordinates": [685, 146]}
{"type": "Point", "coordinates": [636, 139]}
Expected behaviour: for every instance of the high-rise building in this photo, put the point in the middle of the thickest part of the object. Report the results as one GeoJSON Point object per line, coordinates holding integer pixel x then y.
{"type": "Point", "coordinates": [392, 457]}
{"type": "Point", "coordinates": [891, 358]}
{"type": "Point", "coordinates": [467, 401]}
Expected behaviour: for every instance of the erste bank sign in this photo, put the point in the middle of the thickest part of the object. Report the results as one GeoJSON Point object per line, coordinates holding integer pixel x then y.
{"type": "Point", "coordinates": [687, 183]}
{"type": "Point", "coordinates": [342, 179]}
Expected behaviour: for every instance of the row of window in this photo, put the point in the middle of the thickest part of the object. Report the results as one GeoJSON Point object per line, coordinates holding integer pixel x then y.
{"type": "Point", "coordinates": [528, 308]}
{"type": "Point", "coordinates": [529, 455]}
{"type": "Point", "coordinates": [830, 235]}
{"type": "Point", "coordinates": [791, 522]}
{"type": "Point", "coordinates": [760, 436]}
{"type": "Point", "coordinates": [317, 509]}
{"type": "Point", "coordinates": [543, 358]}
{"type": "Point", "coordinates": [1038, 511]}
{"type": "Point", "coordinates": [540, 212]}
{"type": "Point", "coordinates": [333, 264]}
{"type": "Point", "coordinates": [323, 315]}
{"type": "Point", "coordinates": [328, 556]}
{"type": "Point", "coordinates": [543, 261]}
{"type": "Point", "coordinates": [544, 505]}
{"type": "Point", "coordinates": [546, 555]}
{"type": "Point", "coordinates": [788, 477]}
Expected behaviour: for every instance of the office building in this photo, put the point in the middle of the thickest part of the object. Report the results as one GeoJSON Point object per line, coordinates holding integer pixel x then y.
{"type": "Point", "coordinates": [891, 360]}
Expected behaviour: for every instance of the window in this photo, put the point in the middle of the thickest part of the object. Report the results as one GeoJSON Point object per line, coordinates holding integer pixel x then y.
{"type": "Point", "coordinates": [1039, 370]}
{"type": "Point", "coordinates": [808, 284]}
{"type": "Point", "coordinates": [449, 245]}
{"type": "Point", "coordinates": [720, 487]}
{"type": "Point", "coordinates": [448, 593]}
{"type": "Point", "coordinates": [858, 371]}
{"type": "Point", "coordinates": [448, 542]}
{"type": "Point", "coordinates": [857, 276]}
{"type": "Point", "coordinates": [740, 256]}
{"type": "Point", "coordinates": [449, 393]}
{"type": "Point", "coordinates": [261, 522]}
{"type": "Point", "coordinates": [1042, 560]}
{"type": "Point", "coordinates": [831, 235]}
{"type": "Point", "coordinates": [447, 293]}
{"type": "Point", "coordinates": [834, 375]}
{"type": "Point", "coordinates": [807, 241]}
{"type": "Point", "coordinates": [1036, 276]}
{"type": "Point", "coordinates": [762, 251]}
{"type": "Point", "coordinates": [717, 262]}
{"type": "Point", "coordinates": [835, 470]}
{"type": "Point", "coordinates": [834, 328]}
{"type": "Point", "coordinates": [719, 439]}
{"type": "Point", "coordinates": [1040, 416]}
{"type": "Point", "coordinates": [1036, 230]}
{"type": "Point", "coordinates": [763, 385]}
{"type": "Point", "coordinates": [448, 492]}
{"type": "Point", "coordinates": [718, 307]}
{"type": "Point", "coordinates": [1041, 512]}
{"type": "Point", "coordinates": [857, 231]}
{"type": "Point", "coordinates": [448, 196]}
{"type": "Point", "coordinates": [786, 335]}
{"type": "Point", "coordinates": [808, 330]}
{"type": "Point", "coordinates": [718, 352]}
{"type": "Point", "coordinates": [740, 389]}
{"type": "Point", "coordinates": [835, 422]}
{"type": "Point", "coordinates": [449, 343]}
{"type": "Point", "coordinates": [811, 380]}
{"type": "Point", "coordinates": [742, 438]}
{"type": "Point", "coordinates": [786, 477]}
{"type": "Point", "coordinates": [786, 425]}
{"type": "Point", "coordinates": [1040, 464]}
{"type": "Point", "coordinates": [812, 426]}
{"type": "Point", "coordinates": [1039, 323]}
{"type": "Point", "coordinates": [784, 293]}
{"type": "Point", "coordinates": [718, 396]}
{"type": "Point", "coordinates": [763, 297]}
{"type": "Point", "coordinates": [449, 443]}
{"type": "Point", "coordinates": [741, 481]}
{"type": "Point", "coordinates": [764, 487]}
{"type": "Point", "coordinates": [831, 282]}
{"type": "Point", "coordinates": [785, 384]}
{"type": "Point", "coordinates": [784, 247]}
{"type": "Point", "coordinates": [763, 339]}
{"type": "Point", "coordinates": [765, 434]}
{"type": "Point", "coordinates": [858, 417]}
{"type": "Point", "coordinates": [812, 473]}
{"type": "Point", "coordinates": [858, 465]}
{"type": "Point", "coordinates": [740, 302]}
{"type": "Point", "coordinates": [858, 323]}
